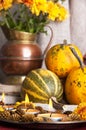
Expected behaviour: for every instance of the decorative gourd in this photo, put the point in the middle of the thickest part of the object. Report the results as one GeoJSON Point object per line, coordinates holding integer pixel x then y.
{"type": "Point", "coordinates": [61, 60]}
{"type": "Point", "coordinates": [41, 85]}
{"type": "Point", "coordinates": [75, 85]}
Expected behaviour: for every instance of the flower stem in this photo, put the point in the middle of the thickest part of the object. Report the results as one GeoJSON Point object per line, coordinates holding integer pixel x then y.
{"type": "Point", "coordinates": [13, 23]}
{"type": "Point", "coordinates": [6, 23]}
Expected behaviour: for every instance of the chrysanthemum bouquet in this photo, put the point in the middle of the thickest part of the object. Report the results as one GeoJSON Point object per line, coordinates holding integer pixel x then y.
{"type": "Point", "coordinates": [30, 15]}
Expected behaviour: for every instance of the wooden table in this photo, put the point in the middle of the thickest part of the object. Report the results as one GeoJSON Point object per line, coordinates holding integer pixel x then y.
{"type": "Point", "coordinates": [10, 127]}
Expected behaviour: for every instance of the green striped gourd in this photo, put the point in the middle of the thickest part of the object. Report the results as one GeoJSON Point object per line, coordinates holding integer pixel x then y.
{"type": "Point", "coordinates": [41, 85]}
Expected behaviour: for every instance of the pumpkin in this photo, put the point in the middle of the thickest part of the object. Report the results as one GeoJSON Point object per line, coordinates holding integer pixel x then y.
{"type": "Point", "coordinates": [61, 60]}
{"type": "Point", "coordinates": [75, 85]}
{"type": "Point", "coordinates": [41, 85]}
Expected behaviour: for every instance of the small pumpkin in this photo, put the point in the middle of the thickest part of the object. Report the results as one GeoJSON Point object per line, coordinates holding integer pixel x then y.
{"type": "Point", "coordinates": [75, 85]}
{"type": "Point", "coordinates": [61, 60]}
{"type": "Point", "coordinates": [41, 85]}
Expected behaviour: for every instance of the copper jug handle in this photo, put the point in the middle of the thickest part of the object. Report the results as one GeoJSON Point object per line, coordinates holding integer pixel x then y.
{"type": "Point", "coordinates": [49, 43]}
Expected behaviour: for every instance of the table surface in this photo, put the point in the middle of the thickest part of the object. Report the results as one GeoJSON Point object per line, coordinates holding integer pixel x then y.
{"type": "Point", "coordinates": [8, 127]}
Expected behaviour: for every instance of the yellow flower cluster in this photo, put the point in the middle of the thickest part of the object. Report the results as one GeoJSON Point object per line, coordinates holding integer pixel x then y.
{"type": "Point", "coordinates": [31, 14]}
{"type": "Point", "coordinates": [54, 10]}
{"type": "Point", "coordinates": [81, 110]}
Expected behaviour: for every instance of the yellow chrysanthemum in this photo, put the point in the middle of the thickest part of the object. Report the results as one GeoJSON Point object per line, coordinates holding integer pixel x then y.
{"type": "Point", "coordinates": [5, 4]}
{"type": "Point", "coordinates": [53, 10]}
{"type": "Point", "coordinates": [81, 110]}
{"type": "Point", "coordinates": [63, 14]}
{"type": "Point", "coordinates": [38, 6]}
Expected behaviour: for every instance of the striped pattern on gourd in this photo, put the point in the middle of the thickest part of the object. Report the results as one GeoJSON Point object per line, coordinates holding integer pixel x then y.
{"type": "Point", "coordinates": [41, 85]}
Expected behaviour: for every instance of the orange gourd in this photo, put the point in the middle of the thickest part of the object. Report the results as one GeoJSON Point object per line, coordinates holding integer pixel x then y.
{"type": "Point", "coordinates": [61, 60]}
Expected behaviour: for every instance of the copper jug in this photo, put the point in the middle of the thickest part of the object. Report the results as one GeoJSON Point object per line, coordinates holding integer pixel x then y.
{"type": "Point", "coordinates": [21, 53]}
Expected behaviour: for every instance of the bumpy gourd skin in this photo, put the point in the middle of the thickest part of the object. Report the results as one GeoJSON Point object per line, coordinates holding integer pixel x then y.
{"type": "Point", "coordinates": [61, 60]}
{"type": "Point", "coordinates": [75, 86]}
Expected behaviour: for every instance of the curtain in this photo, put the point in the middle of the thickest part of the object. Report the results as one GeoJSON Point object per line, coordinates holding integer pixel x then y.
{"type": "Point", "coordinates": [78, 23]}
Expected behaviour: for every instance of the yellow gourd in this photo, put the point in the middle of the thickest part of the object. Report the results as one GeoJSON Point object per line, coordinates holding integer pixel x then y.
{"type": "Point", "coordinates": [75, 85]}
{"type": "Point", "coordinates": [61, 60]}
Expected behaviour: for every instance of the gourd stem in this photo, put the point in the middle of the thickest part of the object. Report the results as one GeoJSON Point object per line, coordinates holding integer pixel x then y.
{"type": "Point", "coordinates": [76, 55]}
{"type": "Point", "coordinates": [64, 43]}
